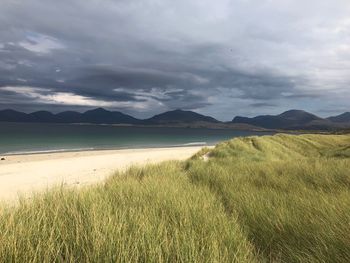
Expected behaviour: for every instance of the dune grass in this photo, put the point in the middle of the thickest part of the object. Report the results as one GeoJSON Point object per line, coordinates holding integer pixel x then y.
{"type": "Point", "coordinates": [282, 198]}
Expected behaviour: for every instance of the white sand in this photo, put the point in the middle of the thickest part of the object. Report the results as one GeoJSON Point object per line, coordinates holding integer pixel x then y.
{"type": "Point", "coordinates": [25, 174]}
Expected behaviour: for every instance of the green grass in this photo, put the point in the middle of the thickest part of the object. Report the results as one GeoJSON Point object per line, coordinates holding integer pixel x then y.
{"type": "Point", "coordinates": [282, 198]}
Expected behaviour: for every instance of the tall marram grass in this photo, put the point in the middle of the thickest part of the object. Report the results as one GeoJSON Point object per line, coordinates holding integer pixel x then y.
{"type": "Point", "coordinates": [290, 194]}
{"type": "Point", "coordinates": [281, 198]}
{"type": "Point", "coordinates": [153, 214]}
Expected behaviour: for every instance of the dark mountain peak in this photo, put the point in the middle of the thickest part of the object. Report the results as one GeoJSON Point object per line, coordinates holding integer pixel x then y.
{"type": "Point", "coordinates": [298, 115]}
{"type": "Point", "coordinates": [98, 110]}
{"type": "Point", "coordinates": [103, 116]}
{"type": "Point", "coordinates": [12, 116]}
{"type": "Point", "coordinates": [177, 111]}
{"type": "Point", "coordinates": [10, 111]}
{"type": "Point", "coordinates": [344, 117]}
{"type": "Point", "coordinates": [178, 116]}
{"type": "Point", "coordinates": [345, 114]}
{"type": "Point", "coordinates": [294, 112]}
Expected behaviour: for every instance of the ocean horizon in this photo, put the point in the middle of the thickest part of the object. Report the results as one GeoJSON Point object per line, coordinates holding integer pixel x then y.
{"type": "Point", "coordinates": [32, 138]}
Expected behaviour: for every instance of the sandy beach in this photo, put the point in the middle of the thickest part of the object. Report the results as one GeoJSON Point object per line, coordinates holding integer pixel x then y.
{"type": "Point", "coordinates": [25, 174]}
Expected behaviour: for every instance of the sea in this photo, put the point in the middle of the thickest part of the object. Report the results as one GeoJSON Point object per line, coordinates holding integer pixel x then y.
{"type": "Point", "coordinates": [31, 138]}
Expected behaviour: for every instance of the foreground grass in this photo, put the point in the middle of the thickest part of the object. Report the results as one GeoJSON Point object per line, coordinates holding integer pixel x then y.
{"type": "Point", "coordinates": [145, 215]}
{"type": "Point", "coordinates": [279, 198]}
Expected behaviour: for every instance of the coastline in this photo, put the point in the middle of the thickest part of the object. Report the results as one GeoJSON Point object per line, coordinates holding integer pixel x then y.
{"type": "Point", "coordinates": [92, 149]}
{"type": "Point", "coordinates": [24, 174]}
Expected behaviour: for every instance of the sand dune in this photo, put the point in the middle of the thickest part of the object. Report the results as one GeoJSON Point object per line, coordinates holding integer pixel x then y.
{"type": "Point", "coordinates": [24, 174]}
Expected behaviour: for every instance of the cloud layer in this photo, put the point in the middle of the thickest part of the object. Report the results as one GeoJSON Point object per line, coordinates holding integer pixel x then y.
{"type": "Point", "coordinates": [223, 58]}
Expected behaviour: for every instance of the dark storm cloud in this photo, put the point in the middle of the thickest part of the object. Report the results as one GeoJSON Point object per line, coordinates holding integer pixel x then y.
{"type": "Point", "coordinates": [216, 57]}
{"type": "Point", "coordinates": [264, 85]}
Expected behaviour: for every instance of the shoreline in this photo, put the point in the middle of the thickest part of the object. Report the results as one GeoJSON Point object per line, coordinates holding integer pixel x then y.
{"type": "Point", "coordinates": [29, 173]}
{"type": "Point", "coordinates": [92, 149]}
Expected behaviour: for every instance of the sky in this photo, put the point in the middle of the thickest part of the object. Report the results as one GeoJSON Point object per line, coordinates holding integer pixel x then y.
{"type": "Point", "coordinates": [221, 58]}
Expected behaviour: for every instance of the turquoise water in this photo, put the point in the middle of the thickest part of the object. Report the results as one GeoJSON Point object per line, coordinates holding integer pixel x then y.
{"type": "Point", "coordinates": [20, 138]}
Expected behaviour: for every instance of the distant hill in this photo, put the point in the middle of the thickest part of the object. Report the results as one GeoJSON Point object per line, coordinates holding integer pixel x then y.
{"type": "Point", "coordinates": [69, 117]}
{"type": "Point", "coordinates": [96, 116]}
{"type": "Point", "coordinates": [345, 117]}
{"type": "Point", "coordinates": [13, 116]}
{"type": "Point", "coordinates": [292, 119]}
{"type": "Point", "coordinates": [179, 116]}
{"type": "Point", "coordinates": [101, 115]}
{"type": "Point", "coordinates": [42, 116]}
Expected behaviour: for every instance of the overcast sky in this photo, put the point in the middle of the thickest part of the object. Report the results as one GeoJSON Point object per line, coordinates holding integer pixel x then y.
{"type": "Point", "coordinates": [221, 58]}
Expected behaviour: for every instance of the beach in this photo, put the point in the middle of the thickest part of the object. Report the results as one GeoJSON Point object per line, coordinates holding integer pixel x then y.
{"type": "Point", "coordinates": [25, 174]}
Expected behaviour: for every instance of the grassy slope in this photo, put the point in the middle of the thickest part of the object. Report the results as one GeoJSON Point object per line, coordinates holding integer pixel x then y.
{"type": "Point", "coordinates": [258, 199]}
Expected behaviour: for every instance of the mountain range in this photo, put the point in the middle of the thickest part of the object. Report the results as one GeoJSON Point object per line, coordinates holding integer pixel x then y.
{"type": "Point", "coordinates": [297, 120]}
{"type": "Point", "coordinates": [289, 120]}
